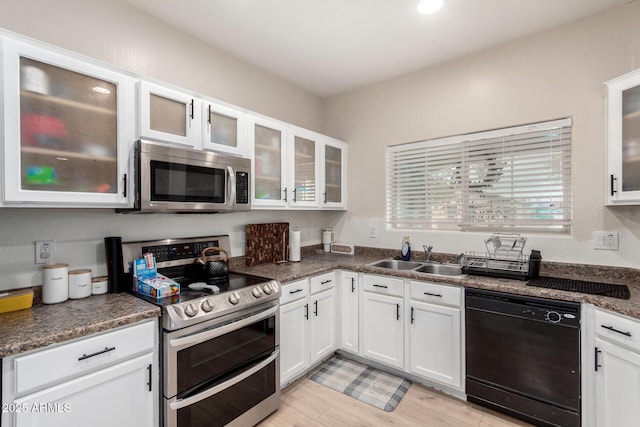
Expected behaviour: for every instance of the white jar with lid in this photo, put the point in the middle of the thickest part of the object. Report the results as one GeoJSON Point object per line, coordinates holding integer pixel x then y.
{"type": "Point", "coordinates": [99, 285]}
{"type": "Point", "coordinates": [55, 283]}
{"type": "Point", "coordinates": [79, 283]}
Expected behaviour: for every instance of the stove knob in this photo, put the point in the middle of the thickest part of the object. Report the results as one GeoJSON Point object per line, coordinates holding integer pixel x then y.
{"type": "Point", "coordinates": [191, 310]}
{"type": "Point", "coordinates": [234, 298]}
{"type": "Point", "coordinates": [267, 289]}
{"type": "Point", "coordinates": [256, 292]}
{"type": "Point", "coordinates": [206, 306]}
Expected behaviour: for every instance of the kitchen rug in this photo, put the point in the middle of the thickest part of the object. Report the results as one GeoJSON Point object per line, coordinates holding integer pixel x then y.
{"type": "Point", "coordinates": [369, 385]}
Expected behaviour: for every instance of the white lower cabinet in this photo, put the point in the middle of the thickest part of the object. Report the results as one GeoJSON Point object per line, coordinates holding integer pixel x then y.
{"type": "Point", "coordinates": [307, 324]}
{"type": "Point", "coordinates": [435, 335]}
{"type": "Point", "coordinates": [349, 291]}
{"type": "Point", "coordinates": [616, 370]}
{"type": "Point", "coordinates": [382, 321]}
{"type": "Point", "coordinates": [105, 380]}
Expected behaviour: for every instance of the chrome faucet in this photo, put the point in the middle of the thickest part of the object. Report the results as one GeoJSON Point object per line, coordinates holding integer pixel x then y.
{"type": "Point", "coordinates": [427, 252]}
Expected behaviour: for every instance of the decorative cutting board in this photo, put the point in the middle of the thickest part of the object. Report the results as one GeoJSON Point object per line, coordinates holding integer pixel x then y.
{"type": "Point", "coordinates": [267, 243]}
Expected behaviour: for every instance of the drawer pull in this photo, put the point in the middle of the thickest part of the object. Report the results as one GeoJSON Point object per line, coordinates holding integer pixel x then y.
{"type": "Point", "coordinates": [375, 285]}
{"type": "Point", "coordinates": [353, 284]}
{"type": "Point", "coordinates": [397, 311]}
{"type": "Point", "coordinates": [611, 328]}
{"type": "Point", "coordinates": [306, 311]}
{"type": "Point", "coordinates": [433, 295]}
{"type": "Point", "coordinates": [295, 292]}
{"type": "Point", "coordinates": [325, 282]}
{"type": "Point", "coordinates": [150, 377]}
{"type": "Point", "coordinates": [97, 353]}
{"type": "Point", "coordinates": [595, 357]}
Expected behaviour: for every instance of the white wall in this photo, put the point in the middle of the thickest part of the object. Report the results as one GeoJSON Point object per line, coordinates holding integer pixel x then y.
{"type": "Point", "coordinates": [120, 35]}
{"type": "Point", "coordinates": [555, 74]}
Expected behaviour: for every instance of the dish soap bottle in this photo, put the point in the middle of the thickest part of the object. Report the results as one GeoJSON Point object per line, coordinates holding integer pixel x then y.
{"type": "Point", "coordinates": [406, 249]}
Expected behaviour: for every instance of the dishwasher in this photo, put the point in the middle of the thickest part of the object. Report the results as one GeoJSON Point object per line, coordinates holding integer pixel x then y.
{"type": "Point", "coordinates": [523, 356]}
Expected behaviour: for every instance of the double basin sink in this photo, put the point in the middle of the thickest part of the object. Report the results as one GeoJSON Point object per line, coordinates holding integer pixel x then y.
{"type": "Point", "coordinates": [429, 267]}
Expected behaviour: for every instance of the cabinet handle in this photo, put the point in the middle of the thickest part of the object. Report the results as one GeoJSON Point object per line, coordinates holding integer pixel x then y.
{"type": "Point", "coordinates": [97, 353]}
{"type": "Point", "coordinates": [149, 369]}
{"type": "Point", "coordinates": [375, 285]}
{"type": "Point", "coordinates": [595, 357]}
{"type": "Point", "coordinates": [433, 295]}
{"type": "Point", "coordinates": [325, 197]}
{"type": "Point", "coordinates": [412, 318]}
{"type": "Point", "coordinates": [353, 284]}
{"type": "Point", "coordinates": [295, 292]}
{"type": "Point", "coordinates": [613, 179]}
{"type": "Point", "coordinates": [306, 311]}
{"type": "Point", "coordinates": [611, 328]}
{"type": "Point", "coordinates": [209, 116]}
{"type": "Point", "coordinates": [397, 311]}
{"type": "Point", "coordinates": [294, 196]}
{"type": "Point", "coordinates": [315, 311]}
{"type": "Point", "coordinates": [192, 112]}
{"type": "Point", "coordinates": [325, 282]}
{"type": "Point", "coordinates": [124, 191]}
{"type": "Point", "coordinates": [285, 194]}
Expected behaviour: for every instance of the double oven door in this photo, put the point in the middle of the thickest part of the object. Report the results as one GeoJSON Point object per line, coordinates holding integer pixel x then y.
{"type": "Point", "coordinates": [223, 372]}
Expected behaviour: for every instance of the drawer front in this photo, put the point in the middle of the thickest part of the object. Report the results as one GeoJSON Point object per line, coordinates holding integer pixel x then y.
{"type": "Point", "coordinates": [47, 367]}
{"type": "Point", "coordinates": [294, 291]}
{"type": "Point", "coordinates": [436, 293]}
{"type": "Point", "coordinates": [618, 329]}
{"type": "Point", "coordinates": [383, 285]}
{"type": "Point", "coordinates": [323, 282]}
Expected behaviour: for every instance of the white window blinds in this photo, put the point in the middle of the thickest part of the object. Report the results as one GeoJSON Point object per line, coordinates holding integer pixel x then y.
{"type": "Point", "coordinates": [516, 178]}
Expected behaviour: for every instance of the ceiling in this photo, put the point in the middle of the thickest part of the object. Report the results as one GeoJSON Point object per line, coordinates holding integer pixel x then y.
{"type": "Point", "coordinates": [332, 46]}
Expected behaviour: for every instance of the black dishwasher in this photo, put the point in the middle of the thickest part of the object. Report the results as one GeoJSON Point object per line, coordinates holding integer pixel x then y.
{"type": "Point", "coordinates": [523, 356]}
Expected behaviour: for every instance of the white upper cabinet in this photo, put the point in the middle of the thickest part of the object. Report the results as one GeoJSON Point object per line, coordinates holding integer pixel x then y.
{"type": "Point", "coordinates": [334, 174]}
{"type": "Point", "coordinates": [304, 178]}
{"type": "Point", "coordinates": [223, 129]}
{"type": "Point", "coordinates": [169, 115]}
{"type": "Point", "coordinates": [68, 127]}
{"type": "Point", "coordinates": [623, 140]}
{"type": "Point", "coordinates": [268, 139]}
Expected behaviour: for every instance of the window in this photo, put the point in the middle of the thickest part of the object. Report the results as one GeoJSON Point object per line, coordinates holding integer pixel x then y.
{"type": "Point", "coordinates": [512, 179]}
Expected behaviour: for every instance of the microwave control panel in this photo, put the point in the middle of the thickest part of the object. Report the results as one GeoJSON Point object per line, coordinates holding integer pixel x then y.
{"type": "Point", "coordinates": [242, 188]}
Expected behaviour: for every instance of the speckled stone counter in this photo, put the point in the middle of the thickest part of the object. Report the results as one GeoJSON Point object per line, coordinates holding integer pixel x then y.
{"type": "Point", "coordinates": [43, 325]}
{"type": "Point", "coordinates": [313, 264]}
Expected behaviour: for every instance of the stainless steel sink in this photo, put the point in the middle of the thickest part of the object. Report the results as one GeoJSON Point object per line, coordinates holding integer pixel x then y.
{"type": "Point", "coordinates": [394, 264]}
{"type": "Point", "coordinates": [444, 269]}
{"type": "Point", "coordinates": [428, 267]}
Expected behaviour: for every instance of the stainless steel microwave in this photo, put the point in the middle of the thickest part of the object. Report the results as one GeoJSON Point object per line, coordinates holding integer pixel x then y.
{"type": "Point", "coordinates": [172, 179]}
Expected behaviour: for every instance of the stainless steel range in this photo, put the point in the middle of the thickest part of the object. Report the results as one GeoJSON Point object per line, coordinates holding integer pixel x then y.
{"type": "Point", "coordinates": [220, 338]}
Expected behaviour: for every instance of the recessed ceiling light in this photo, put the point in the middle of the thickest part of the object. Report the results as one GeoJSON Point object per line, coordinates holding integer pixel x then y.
{"type": "Point", "coordinates": [427, 7]}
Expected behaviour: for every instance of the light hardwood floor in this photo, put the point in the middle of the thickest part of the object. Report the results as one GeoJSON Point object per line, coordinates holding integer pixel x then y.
{"type": "Point", "coordinates": [307, 403]}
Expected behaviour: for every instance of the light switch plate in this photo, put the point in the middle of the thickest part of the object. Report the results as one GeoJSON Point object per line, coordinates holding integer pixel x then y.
{"type": "Point", "coordinates": [606, 240]}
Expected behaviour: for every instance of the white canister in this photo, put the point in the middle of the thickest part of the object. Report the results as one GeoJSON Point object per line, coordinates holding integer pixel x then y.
{"type": "Point", "coordinates": [79, 283]}
{"type": "Point", "coordinates": [55, 283]}
{"type": "Point", "coordinates": [99, 285]}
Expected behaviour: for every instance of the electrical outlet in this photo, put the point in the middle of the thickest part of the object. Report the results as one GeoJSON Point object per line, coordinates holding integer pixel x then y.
{"type": "Point", "coordinates": [314, 231]}
{"type": "Point", "coordinates": [605, 240]}
{"type": "Point", "coordinates": [45, 251]}
{"type": "Point", "coordinates": [373, 233]}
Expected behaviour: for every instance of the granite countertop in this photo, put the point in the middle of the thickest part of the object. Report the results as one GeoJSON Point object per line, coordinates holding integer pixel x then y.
{"type": "Point", "coordinates": [43, 325]}
{"type": "Point", "coordinates": [321, 263]}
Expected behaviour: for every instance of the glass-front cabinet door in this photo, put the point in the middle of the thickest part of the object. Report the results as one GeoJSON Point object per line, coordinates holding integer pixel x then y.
{"type": "Point", "coordinates": [305, 170]}
{"type": "Point", "coordinates": [623, 139]}
{"type": "Point", "coordinates": [269, 158]}
{"type": "Point", "coordinates": [66, 129]}
{"type": "Point", "coordinates": [334, 192]}
{"type": "Point", "coordinates": [223, 129]}
{"type": "Point", "coordinates": [168, 115]}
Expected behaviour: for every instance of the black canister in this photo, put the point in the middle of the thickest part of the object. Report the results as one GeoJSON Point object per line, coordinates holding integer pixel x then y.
{"type": "Point", "coordinates": [115, 266]}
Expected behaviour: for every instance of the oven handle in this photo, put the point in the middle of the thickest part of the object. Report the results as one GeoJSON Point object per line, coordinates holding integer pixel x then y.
{"type": "Point", "coordinates": [225, 385]}
{"type": "Point", "coordinates": [177, 344]}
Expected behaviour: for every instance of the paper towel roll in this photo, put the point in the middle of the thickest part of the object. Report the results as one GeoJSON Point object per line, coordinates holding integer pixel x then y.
{"type": "Point", "coordinates": [294, 245]}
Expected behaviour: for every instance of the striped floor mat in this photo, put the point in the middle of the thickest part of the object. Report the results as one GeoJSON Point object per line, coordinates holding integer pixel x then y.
{"type": "Point", "coordinates": [367, 384]}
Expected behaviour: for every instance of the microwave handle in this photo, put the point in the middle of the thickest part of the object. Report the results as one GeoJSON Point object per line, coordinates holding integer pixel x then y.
{"type": "Point", "coordinates": [231, 187]}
